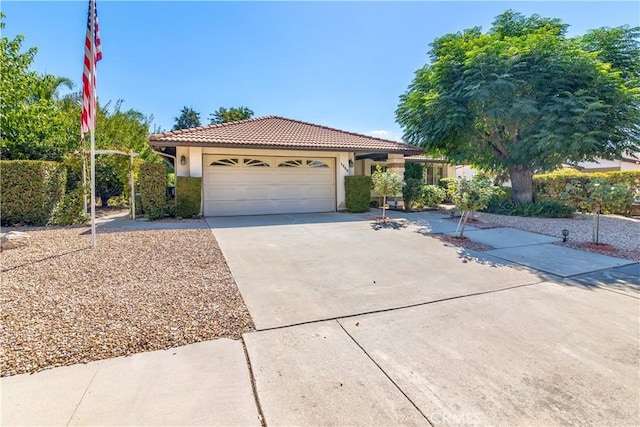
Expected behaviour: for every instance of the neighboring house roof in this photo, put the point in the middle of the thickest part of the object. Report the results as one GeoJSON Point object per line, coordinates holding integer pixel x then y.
{"type": "Point", "coordinates": [421, 158]}
{"type": "Point", "coordinates": [277, 133]}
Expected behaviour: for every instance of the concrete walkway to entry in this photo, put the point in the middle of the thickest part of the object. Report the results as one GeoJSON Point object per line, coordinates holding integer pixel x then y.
{"type": "Point", "coordinates": [366, 325]}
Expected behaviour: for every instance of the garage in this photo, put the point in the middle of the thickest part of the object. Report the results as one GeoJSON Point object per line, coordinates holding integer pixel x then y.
{"type": "Point", "coordinates": [255, 185]}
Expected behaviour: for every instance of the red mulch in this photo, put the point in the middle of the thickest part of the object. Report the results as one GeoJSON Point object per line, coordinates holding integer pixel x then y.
{"type": "Point", "coordinates": [463, 242]}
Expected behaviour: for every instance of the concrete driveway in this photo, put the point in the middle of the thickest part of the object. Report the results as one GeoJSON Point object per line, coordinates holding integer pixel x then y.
{"type": "Point", "coordinates": [294, 269]}
{"type": "Point", "coordinates": [358, 326]}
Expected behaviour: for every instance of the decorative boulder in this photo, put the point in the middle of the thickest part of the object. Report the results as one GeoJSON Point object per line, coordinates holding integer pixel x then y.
{"type": "Point", "coordinates": [14, 239]}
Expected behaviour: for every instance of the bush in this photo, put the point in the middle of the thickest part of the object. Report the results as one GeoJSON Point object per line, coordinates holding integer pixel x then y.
{"type": "Point", "coordinates": [551, 185]}
{"type": "Point", "coordinates": [450, 186]}
{"type": "Point", "coordinates": [30, 190]}
{"type": "Point", "coordinates": [545, 208]}
{"type": "Point", "coordinates": [357, 193]}
{"type": "Point", "coordinates": [572, 187]}
{"type": "Point", "coordinates": [598, 195]}
{"type": "Point", "coordinates": [153, 189]}
{"type": "Point", "coordinates": [433, 195]}
{"type": "Point", "coordinates": [70, 210]}
{"type": "Point", "coordinates": [188, 196]}
{"type": "Point", "coordinates": [472, 195]}
{"type": "Point", "coordinates": [412, 193]}
{"type": "Point", "coordinates": [413, 171]}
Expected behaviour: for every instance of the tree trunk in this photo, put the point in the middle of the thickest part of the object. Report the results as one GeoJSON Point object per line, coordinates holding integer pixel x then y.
{"type": "Point", "coordinates": [465, 218]}
{"type": "Point", "coordinates": [521, 183]}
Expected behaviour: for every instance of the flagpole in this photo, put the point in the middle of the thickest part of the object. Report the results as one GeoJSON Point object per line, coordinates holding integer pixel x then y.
{"type": "Point", "coordinates": [94, 113]}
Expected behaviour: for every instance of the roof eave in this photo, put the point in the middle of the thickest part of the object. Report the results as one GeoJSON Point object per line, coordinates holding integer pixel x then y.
{"type": "Point", "coordinates": [400, 150]}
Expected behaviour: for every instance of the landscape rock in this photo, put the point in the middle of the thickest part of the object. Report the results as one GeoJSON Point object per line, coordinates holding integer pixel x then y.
{"type": "Point", "coordinates": [14, 239]}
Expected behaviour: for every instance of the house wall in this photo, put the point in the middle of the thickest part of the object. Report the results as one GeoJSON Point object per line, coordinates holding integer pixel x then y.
{"type": "Point", "coordinates": [194, 164]}
{"type": "Point", "coordinates": [602, 165]}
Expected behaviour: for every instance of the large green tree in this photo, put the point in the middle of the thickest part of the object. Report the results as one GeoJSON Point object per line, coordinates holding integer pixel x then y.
{"type": "Point", "coordinates": [233, 114]}
{"type": "Point", "coordinates": [525, 98]}
{"type": "Point", "coordinates": [31, 126]}
{"type": "Point", "coordinates": [188, 118]}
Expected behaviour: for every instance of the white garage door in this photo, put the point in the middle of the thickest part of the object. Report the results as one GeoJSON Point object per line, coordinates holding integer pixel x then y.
{"type": "Point", "coordinates": [254, 185]}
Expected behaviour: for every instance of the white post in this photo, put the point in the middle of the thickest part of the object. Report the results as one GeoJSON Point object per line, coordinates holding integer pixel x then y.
{"type": "Point", "coordinates": [84, 178]}
{"type": "Point", "coordinates": [132, 183]}
{"type": "Point", "coordinates": [93, 190]}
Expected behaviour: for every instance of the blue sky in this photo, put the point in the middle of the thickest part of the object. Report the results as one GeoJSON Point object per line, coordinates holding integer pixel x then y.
{"type": "Point", "coordinates": [338, 64]}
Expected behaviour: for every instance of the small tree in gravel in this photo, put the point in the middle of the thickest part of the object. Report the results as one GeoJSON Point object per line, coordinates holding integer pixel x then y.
{"type": "Point", "coordinates": [471, 195]}
{"type": "Point", "coordinates": [596, 195]}
{"type": "Point", "coordinates": [386, 183]}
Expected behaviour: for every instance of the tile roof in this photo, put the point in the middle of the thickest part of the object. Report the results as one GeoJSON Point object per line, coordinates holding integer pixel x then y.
{"type": "Point", "coordinates": [424, 158]}
{"type": "Point", "coordinates": [278, 133]}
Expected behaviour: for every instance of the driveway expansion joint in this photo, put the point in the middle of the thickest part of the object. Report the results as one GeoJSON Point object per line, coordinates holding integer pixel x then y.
{"type": "Point", "coordinates": [385, 310]}
{"type": "Point", "coordinates": [82, 397]}
{"type": "Point", "coordinates": [385, 374]}
{"type": "Point", "coordinates": [254, 389]}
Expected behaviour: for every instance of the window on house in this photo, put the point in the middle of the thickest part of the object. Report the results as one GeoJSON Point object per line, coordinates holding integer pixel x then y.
{"type": "Point", "coordinates": [290, 164]}
{"type": "Point", "coordinates": [255, 162]}
{"type": "Point", "coordinates": [225, 162]}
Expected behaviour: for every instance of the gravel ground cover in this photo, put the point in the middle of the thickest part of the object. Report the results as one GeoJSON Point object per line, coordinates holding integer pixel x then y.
{"type": "Point", "coordinates": [140, 290]}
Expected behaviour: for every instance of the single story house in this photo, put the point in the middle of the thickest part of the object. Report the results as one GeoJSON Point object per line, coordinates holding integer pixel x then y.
{"type": "Point", "coordinates": [272, 165]}
{"type": "Point", "coordinates": [627, 162]}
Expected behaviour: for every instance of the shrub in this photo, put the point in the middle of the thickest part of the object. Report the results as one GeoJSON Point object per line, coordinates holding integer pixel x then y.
{"type": "Point", "coordinates": [412, 193]}
{"type": "Point", "coordinates": [188, 196]}
{"type": "Point", "coordinates": [70, 210]}
{"type": "Point", "coordinates": [550, 186]}
{"type": "Point", "coordinates": [413, 171]}
{"type": "Point", "coordinates": [357, 193]}
{"type": "Point", "coordinates": [598, 196]}
{"type": "Point", "coordinates": [545, 208]}
{"type": "Point", "coordinates": [433, 195]}
{"type": "Point", "coordinates": [450, 186]}
{"type": "Point", "coordinates": [153, 189]}
{"type": "Point", "coordinates": [30, 190]}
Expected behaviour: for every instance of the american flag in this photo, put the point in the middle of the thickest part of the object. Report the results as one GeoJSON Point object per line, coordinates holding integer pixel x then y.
{"type": "Point", "coordinates": [92, 54]}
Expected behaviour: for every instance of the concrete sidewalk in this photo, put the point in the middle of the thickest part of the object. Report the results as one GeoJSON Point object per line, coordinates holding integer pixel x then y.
{"type": "Point", "coordinates": [205, 384]}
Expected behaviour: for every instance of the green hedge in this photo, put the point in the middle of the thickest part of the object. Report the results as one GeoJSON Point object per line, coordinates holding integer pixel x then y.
{"type": "Point", "coordinates": [30, 190]}
{"type": "Point", "coordinates": [551, 185]}
{"type": "Point", "coordinates": [188, 196]}
{"type": "Point", "coordinates": [358, 193]}
{"type": "Point", "coordinates": [152, 184]}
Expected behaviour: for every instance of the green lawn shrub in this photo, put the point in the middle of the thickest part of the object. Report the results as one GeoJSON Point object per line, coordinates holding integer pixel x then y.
{"type": "Point", "coordinates": [413, 171]}
{"type": "Point", "coordinates": [358, 193]}
{"type": "Point", "coordinates": [450, 186]}
{"type": "Point", "coordinates": [152, 184]}
{"type": "Point", "coordinates": [30, 190]}
{"type": "Point", "coordinates": [598, 195]}
{"type": "Point", "coordinates": [572, 187]}
{"type": "Point", "coordinates": [412, 193]}
{"type": "Point", "coordinates": [188, 196]}
{"type": "Point", "coordinates": [552, 185]}
{"type": "Point", "coordinates": [433, 195]}
{"type": "Point", "coordinates": [70, 210]}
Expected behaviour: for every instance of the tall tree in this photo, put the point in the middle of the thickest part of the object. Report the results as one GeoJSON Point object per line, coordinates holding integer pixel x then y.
{"type": "Point", "coordinates": [30, 126]}
{"type": "Point", "coordinates": [189, 118]}
{"type": "Point", "coordinates": [525, 98]}
{"type": "Point", "coordinates": [233, 114]}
